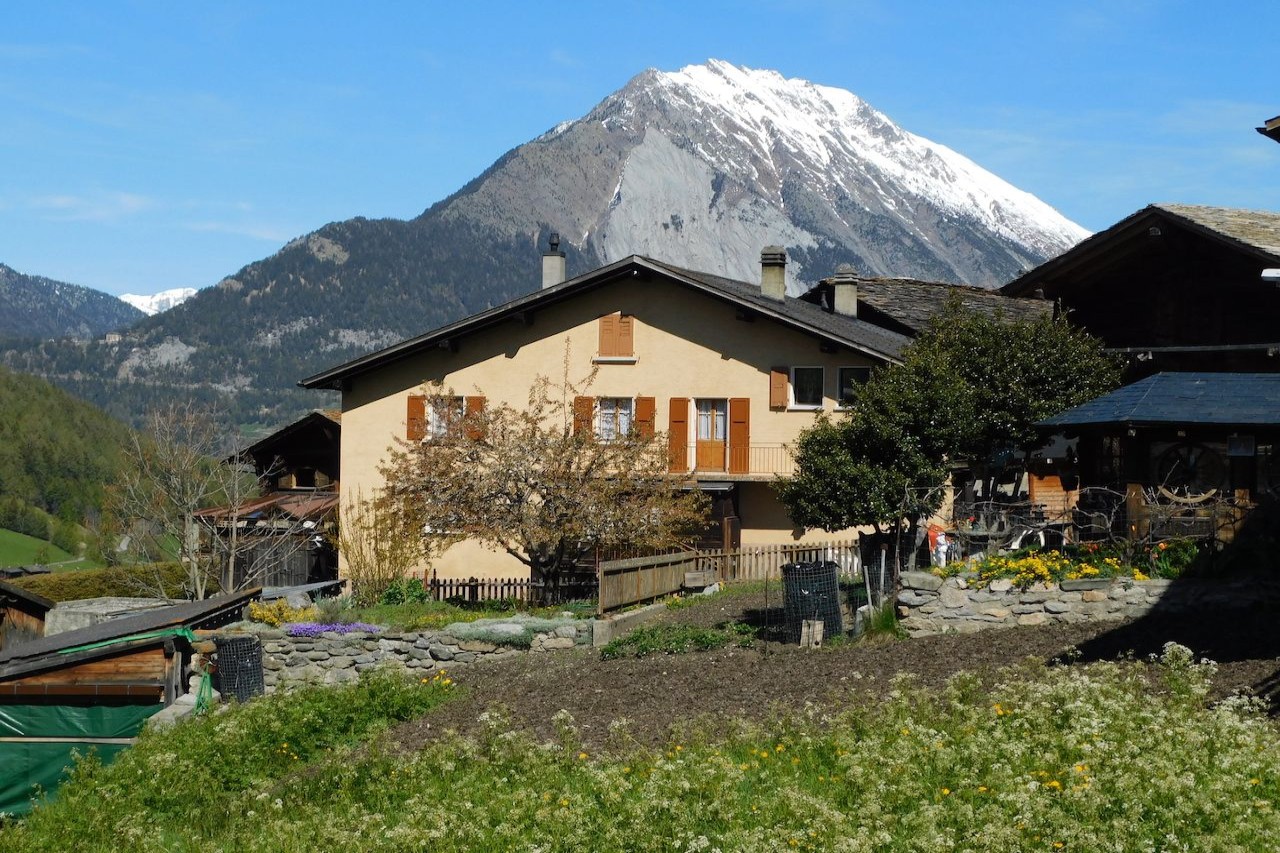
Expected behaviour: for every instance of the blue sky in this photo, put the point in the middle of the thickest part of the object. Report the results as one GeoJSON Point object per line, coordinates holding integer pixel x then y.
{"type": "Point", "coordinates": [149, 145]}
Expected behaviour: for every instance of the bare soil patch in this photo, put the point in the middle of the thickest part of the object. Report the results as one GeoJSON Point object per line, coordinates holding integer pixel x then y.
{"type": "Point", "coordinates": [666, 692]}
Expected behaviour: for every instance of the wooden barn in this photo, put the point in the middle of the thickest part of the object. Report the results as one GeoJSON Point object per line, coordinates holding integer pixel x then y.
{"type": "Point", "coordinates": [22, 615]}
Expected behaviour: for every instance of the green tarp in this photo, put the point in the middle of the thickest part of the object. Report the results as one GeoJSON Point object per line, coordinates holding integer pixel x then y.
{"type": "Point", "coordinates": [25, 764]}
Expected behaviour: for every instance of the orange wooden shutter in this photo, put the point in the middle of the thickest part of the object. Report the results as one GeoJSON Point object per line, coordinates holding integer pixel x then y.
{"type": "Point", "coordinates": [416, 418]}
{"type": "Point", "coordinates": [583, 410]}
{"type": "Point", "coordinates": [609, 335]}
{"type": "Point", "coordinates": [678, 434]}
{"type": "Point", "coordinates": [646, 414]}
{"type": "Point", "coordinates": [474, 410]}
{"type": "Point", "coordinates": [626, 344]}
{"type": "Point", "coordinates": [779, 380]}
{"type": "Point", "coordinates": [739, 435]}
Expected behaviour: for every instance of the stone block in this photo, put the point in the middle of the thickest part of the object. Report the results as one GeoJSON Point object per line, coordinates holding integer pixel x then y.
{"type": "Point", "coordinates": [422, 643]}
{"type": "Point", "coordinates": [366, 658]}
{"type": "Point", "coordinates": [342, 676]}
{"type": "Point", "coordinates": [416, 653]}
{"type": "Point", "coordinates": [477, 646]}
{"type": "Point", "coordinates": [272, 663]}
{"type": "Point", "coordinates": [1057, 607]}
{"type": "Point", "coordinates": [1034, 596]}
{"type": "Point", "coordinates": [921, 581]}
{"type": "Point", "coordinates": [1094, 595]}
{"type": "Point", "coordinates": [953, 598]}
{"type": "Point", "coordinates": [1001, 585]}
{"type": "Point", "coordinates": [295, 659]}
{"type": "Point", "coordinates": [567, 632]}
{"type": "Point", "coordinates": [1080, 584]}
{"type": "Point", "coordinates": [1024, 609]}
{"type": "Point", "coordinates": [340, 662]}
{"type": "Point", "coordinates": [997, 612]}
{"type": "Point", "coordinates": [554, 643]}
{"type": "Point", "coordinates": [1070, 597]}
{"type": "Point", "coordinates": [441, 652]}
{"type": "Point", "coordinates": [317, 655]}
{"type": "Point", "coordinates": [465, 657]}
{"type": "Point", "coordinates": [912, 598]}
{"type": "Point", "coordinates": [1032, 619]}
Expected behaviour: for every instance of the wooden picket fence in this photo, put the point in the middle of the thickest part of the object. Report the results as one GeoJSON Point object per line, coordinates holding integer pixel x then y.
{"type": "Point", "coordinates": [572, 585]}
{"type": "Point", "coordinates": [639, 579]}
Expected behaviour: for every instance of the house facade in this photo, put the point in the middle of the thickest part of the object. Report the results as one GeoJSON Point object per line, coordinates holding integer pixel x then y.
{"type": "Point", "coordinates": [729, 371]}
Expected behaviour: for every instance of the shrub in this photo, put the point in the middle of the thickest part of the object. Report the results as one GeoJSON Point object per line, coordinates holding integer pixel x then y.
{"type": "Point", "coordinates": [276, 613]}
{"type": "Point", "coordinates": [405, 591]}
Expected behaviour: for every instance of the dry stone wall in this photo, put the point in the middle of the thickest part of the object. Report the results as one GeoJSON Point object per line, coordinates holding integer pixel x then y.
{"type": "Point", "coordinates": [334, 658]}
{"type": "Point", "coordinates": [928, 604]}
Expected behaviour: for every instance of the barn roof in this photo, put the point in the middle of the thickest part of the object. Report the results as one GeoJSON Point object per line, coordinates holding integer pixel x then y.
{"type": "Point", "coordinates": [1192, 399]}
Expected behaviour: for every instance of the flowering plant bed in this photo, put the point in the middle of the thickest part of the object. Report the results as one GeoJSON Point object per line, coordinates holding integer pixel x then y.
{"type": "Point", "coordinates": [315, 629]}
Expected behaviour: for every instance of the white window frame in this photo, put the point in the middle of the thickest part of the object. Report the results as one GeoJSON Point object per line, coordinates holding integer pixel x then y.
{"type": "Point", "coordinates": [438, 422]}
{"type": "Point", "coordinates": [611, 411]}
{"type": "Point", "coordinates": [840, 402]}
{"type": "Point", "coordinates": [792, 385]}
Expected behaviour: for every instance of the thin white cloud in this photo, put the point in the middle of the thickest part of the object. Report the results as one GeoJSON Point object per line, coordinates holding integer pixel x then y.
{"type": "Point", "coordinates": [266, 233]}
{"type": "Point", "coordinates": [97, 207]}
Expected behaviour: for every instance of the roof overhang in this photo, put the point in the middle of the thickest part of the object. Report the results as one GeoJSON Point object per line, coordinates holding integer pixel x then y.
{"type": "Point", "coordinates": [630, 267]}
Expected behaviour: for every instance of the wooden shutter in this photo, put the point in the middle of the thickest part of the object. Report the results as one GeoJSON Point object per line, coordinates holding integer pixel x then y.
{"type": "Point", "coordinates": [609, 335]}
{"type": "Point", "coordinates": [416, 418]}
{"type": "Point", "coordinates": [626, 344]}
{"type": "Point", "coordinates": [583, 412]}
{"type": "Point", "coordinates": [779, 392]}
{"type": "Point", "coordinates": [739, 435]}
{"type": "Point", "coordinates": [474, 411]}
{"type": "Point", "coordinates": [678, 434]}
{"type": "Point", "coordinates": [646, 414]}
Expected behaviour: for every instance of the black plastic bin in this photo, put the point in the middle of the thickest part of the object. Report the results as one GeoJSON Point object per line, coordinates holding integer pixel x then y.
{"type": "Point", "coordinates": [811, 591]}
{"type": "Point", "coordinates": [239, 667]}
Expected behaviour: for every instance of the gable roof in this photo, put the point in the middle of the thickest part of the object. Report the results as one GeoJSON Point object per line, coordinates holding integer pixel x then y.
{"type": "Point", "coordinates": [13, 592]}
{"type": "Point", "coordinates": [907, 305]}
{"type": "Point", "coordinates": [858, 335]}
{"type": "Point", "coordinates": [1253, 232]}
{"type": "Point", "coordinates": [1194, 399]}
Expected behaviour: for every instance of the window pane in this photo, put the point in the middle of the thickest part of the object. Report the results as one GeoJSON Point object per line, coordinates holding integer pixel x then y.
{"type": "Point", "coordinates": [850, 379]}
{"type": "Point", "coordinates": [807, 383]}
{"type": "Point", "coordinates": [615, 417]}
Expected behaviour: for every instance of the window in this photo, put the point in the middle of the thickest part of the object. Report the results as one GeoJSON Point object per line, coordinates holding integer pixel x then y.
{"type": "Point", "coordinates": [615, 417]}
{"type": "Point", "coordinates": [712, 417]}
{"type": "Point", "coordinates": [806, 387]}
{"type": "Point", "coordinates": [444, 414]}
{"type": "Point", "coordinates": [850, 379]}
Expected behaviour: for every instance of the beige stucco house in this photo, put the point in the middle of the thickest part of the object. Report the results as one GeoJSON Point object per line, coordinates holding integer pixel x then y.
{"type": "Point", "coordinates": [730, 371]}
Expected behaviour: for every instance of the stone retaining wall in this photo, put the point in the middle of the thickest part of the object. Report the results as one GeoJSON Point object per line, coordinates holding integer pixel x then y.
{"type": "Point", "coordinates": [928, 604]}
{"type": "Point", "coordinates": [334, 658]}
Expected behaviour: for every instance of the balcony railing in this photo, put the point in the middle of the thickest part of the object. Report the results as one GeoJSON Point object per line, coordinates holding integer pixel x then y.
{"type": "Point", "coordinates": [765, 459]}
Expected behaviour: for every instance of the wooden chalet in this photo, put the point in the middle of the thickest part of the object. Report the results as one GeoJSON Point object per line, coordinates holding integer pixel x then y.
{"type": "Point", "coordinates": [1174, 287]}
{"type": "Point", "coordinates": [285, 536]}
{"type": "Point", "coordinates": [94, 687]}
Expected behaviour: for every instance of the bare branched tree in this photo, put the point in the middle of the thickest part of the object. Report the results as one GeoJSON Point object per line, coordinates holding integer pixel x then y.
{"type": "Point", "coordinates": [376, 547]}
{"type": "Point", "coordinates": [537, 483]}
{"type": "Point", "coordinates": [185, 495]}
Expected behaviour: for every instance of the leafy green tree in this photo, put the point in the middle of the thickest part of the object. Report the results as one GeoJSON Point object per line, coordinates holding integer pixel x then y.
{"type": "Point", "coordinates": [972, 385]}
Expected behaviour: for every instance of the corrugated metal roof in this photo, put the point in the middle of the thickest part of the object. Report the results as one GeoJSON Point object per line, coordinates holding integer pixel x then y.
{"type": "Point", "coordinates": [1193, 399]}
{"type": "Point", "coordinates": [299, 505]}
{"type": "Point", "coordinates": [208, 613]}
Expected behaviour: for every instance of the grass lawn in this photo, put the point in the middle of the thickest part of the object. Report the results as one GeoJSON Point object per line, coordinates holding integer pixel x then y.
{"type": "Point", "coordinates": [17, 549]}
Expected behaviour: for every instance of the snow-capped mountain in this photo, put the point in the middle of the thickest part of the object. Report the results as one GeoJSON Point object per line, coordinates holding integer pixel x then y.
{"type": "Point", "coordinates": [157, 302]}
{"type": "Point", "coordinates": [705, 165]}
{"type": "Point", "coordinates": [701, 167]}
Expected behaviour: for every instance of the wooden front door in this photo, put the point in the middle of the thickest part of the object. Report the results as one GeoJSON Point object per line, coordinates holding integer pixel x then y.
{"type": "Point", "coordinates": [713, 420]}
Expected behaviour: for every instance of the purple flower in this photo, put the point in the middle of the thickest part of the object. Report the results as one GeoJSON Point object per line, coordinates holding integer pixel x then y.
{"type": "Point", "coordinates": [315, 629]}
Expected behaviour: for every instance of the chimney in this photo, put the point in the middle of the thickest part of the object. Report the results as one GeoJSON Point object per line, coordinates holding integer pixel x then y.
{"type": "Point", "coordinates": [773, 272]}
{"type": "Point", "coordinates": [553, 263]}
{"type": "Point", "coordinates": [844, 287]}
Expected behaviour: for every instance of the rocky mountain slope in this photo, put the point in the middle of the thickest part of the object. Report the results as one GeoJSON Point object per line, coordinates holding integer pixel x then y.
{"type": "Point", "coordinates": [32, 306]}
{"type": "Point", "coordinates": [701, 167]}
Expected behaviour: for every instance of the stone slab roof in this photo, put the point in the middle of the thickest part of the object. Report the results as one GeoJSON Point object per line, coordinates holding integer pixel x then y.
{"type": "Point", "coordinates": [1192, 399]}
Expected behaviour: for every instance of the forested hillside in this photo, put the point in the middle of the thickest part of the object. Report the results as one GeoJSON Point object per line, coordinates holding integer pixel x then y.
{"type": "Point", "coordinates": [32, 306]}
{"type": "Point", "coordinates": [57, 453]}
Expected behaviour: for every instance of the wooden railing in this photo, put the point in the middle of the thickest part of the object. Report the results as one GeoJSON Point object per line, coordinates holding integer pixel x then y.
{"type": "Point", "coordinates": [640, 579]}
{"type": "Point", "coordinates": [571, 585]}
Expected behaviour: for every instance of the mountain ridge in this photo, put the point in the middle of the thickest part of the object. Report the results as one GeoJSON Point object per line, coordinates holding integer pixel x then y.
{"type": "Point", "coordinates": [32, 306]}
{"type": "Point", "coordinates": [658, 168]}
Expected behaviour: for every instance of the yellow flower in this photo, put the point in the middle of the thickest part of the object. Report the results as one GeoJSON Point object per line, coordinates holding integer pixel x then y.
{"type": "Point", "coordinates": [946, 792]}
{"type": "Point", "coordinates": [582, 756]}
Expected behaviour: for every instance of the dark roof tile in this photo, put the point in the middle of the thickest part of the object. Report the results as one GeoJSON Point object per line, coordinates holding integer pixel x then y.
{"type": "Point", "coordinates": [1194, 399]}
